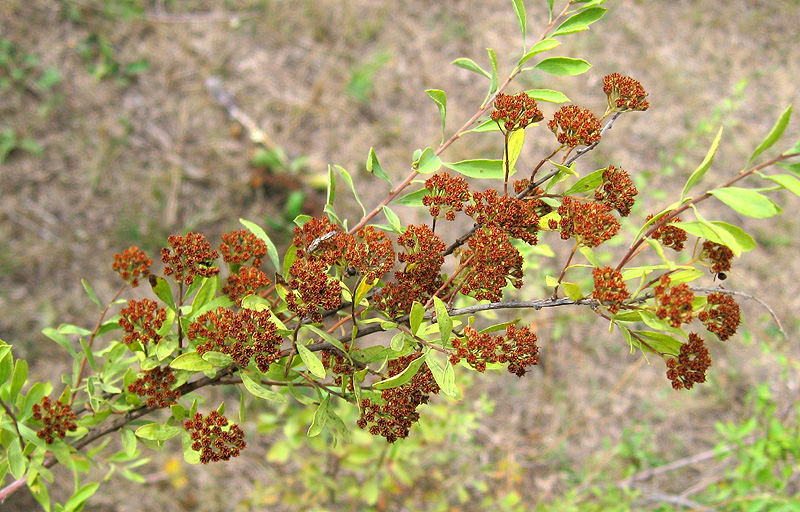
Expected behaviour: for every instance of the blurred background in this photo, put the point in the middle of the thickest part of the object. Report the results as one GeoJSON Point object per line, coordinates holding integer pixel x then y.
{"type": "Point", "coordinates": [111, 137]}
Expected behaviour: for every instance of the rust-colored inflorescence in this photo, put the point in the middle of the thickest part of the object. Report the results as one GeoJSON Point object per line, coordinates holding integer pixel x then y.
{"type": "Point", "coordinates": [239, 247]}
{"type": "Point", "coordinates": [132, 263]}
{"type": "Point", "coordinates": [493, 263]}
{"type": "Point", "coordinates": [448, 193]}
{"type": "Point", "coordinates": [590, 224]}
{"type": "Point", "coordinates": [575, 126]}
{"type": "Point", "coordinates": [420, 277]}
{"type": "Point", "coordinates": [155, 386]}
{"type": "Point", "coordinates": [617, 190]}
{"type": "Point", "coordinates": [141, 319]}
{"type": "Point", "coordinates": [245, 335]}
{"type": "Point", "coordinates": [514, 216]}
{"type": "Point", "coordinates": [721, 315]}
{"type": "Point", "coordinates": [669, 234]}
{"type": "Point", "coordinates": [339, 365]}
{"type": "Point", "coordinates": [214, 438]}
{"type": "Point", "coordinates": [718, 255]}
{"type": "Point", "coordinates": [247, 281]}
{"type": "Point", "coordinates": [624, 93]}
{"type": "Point", "coordinates": [674, 303]}
{"type": "Point", "coordinates": [312, 289]}
{"type": "Point", "coordinates": [57, 418]}
{"type": "Point", "coordinates": [517, 348]}
{"type": "Point", "coordinates": [689, 368]}
{"type": "Point", "coordinates": [373, 254]}
{"type": "Point", "coordinates": [394, 417]}
{"type": "Point", "coordinates": [515, 112]}
{"type": "Point", "coordinates": [189, 257]}
{"type": "Point", "coordinates": [609, 288]}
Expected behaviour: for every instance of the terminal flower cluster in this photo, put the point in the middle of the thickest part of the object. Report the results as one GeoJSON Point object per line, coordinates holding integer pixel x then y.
{"type": "Point", "coordinates": [58, 418]}
{"type": "Point", "coordinates": [718, 255]}
{"type": "Point", "coordinates": [515, 112]}
{"type": "Point", "coordinates": [517, 348]}
{"type": "Point", "coordinates": [247, 281]}
{"type": "Point", "coordinates": [155, 385]}
{"type": "Point", "coordinates": [214, 438]}
{"type": "Point", "coordinates": [514, 216]}
{"type": "Point", "coordinates": [624, 93]}
{"type": "Point", "coordinates": [609, 288]}
{"type": "Point", "coordinates": [141, 320]}
{"type": "Point", "coordinates": [721, 315]}
{"type": "Point", "coordinates": [446, 192]}
{"type": "Point", "coordinates": [372, 255]}
{"type": "Point", "coordinates": [239, 247]}
{"type": "Point", "coordinates": [617, 190]}
{"type": "Point", "coordinates": [670, 235]}
{"type": "Point", "coordinates": [189, 257]}
{"type": "Point", "coordinates": [132, 263]}
{"type": "Point", "coordinates": [575, 126]}
{"type": "Point", "coordinates": [590, 224]}
{"type": "Point", "coordinates": [689, 368]}
{"type": "Point", "coordinates": [674, 303]}
{"type": "Point", "coordinates": [397, 412]}
{"type": "Point", "coordinates": [493, 263]}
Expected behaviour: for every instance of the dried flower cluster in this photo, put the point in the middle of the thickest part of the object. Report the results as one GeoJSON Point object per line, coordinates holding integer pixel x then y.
{"type": "Point", "coordinates": [312, 289]}
{"type": "Point", "coordinates": [238, 247]}
{"type": "Point", "coordinates": [674, 303]}
{"type": "Point", "coordinates": [211, 438]}
{"type": "Point", "coordinates": [575, 126]}
{"type": "Point", "coordinates": [719, 256]}
{"type": "Point", "coordinates": [493, 263]}
{"type": "Point", "coordinates": [394, 417]}
{"type": "Point", "coordinates": [446, 192]}
{"type": "Point", "coordinates": [617, 190]}
{"type": "Point", "coordinates": [247, 281]}
{"type": "Point", "coordinates": [689, 368]}
{"type": "Point", "coordinates": [132, 263]}
{"type": "Point", "coordinates": [517, 348]}
{"type": "Point", "coordinates": [141, 320]}
{"type": "Point", "coordinates": [669, 234]}
{"type": "Point", "coordinates": [57, 418]}
{"type": "Point", "coordinates": [609, 288]}
{"type": "Point", "coordinates": [721, 315]}
{"type": "Point", "coordinates": [624, 93]}
{"type": "Point", "coordinates": [245, 335]}
{"type": "Point", "coordinates": [155, 385]}
{"type": "Point", "coordinates": [515, 112]}
{"type": "Point", "coordinates": [590, 224]}
{"type": "Point", "coordinates": [373, 255]}
{"type": "Point", "coordinates": [190, 256]}
{"type": "Point", "coordinates": [514, 216]}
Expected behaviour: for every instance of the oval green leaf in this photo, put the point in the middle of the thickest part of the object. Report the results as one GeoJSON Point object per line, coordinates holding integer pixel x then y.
{"type": "Point", "coordinates": [563, 66]}
{"type": "Point", "coordinates": [748, 202]}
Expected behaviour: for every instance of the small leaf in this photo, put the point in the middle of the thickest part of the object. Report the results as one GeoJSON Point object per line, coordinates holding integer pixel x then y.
{"type": "Point", "coordinates": [428, 162]}
{"type": "Point", "coordinates": [774, 134]}
{"type": "Point", "coordinates": [349, 181]}
{"type": "Point", "coordinates": [588, 253]}
{"type": "Point", "coordinates": [704, 166]}
{"type": "Point", "coordinates": [470, 64]}
{"type": "Point", "coordinates": [541, 46]}
{"type": "Point", "coordinates": [402, 377]}
{"type": "Point", "coordinates": [580, 21]}
{"type": "Point", "coordinates": [589, 182]}
{"type": "Point", "coordinates": [79, 498]}
{"type": "Point", "coordinates": [563, 66]}
{"type": "Point", "coordinates": [128, 441]}
{"type": "Point", "coordinates": [572, 291]}
{"type": "Point", "coordinates": [17, 462]}
{"type": "Point", "coordinates": [547, 95]}
{"type": "Point", "coordinates": [363, 288]}
{"type": "Point", "coordinates": [478, 168]}
{"type": "Point", "coordinates": [519, 11]}
{"type": "Point", "coordinates": [398, 342]}
{"type": "Point", "coordinates": [320, 418]}
{"type": "Point", "coordinates": [218, 359]}
{"type": "Point", "coordinates": [163, 292]}
{"type": "Point", "coordinates": [748, 202]}
{"type": "Point", "coordinates": [330, 195]}
{"type": "Point", "coordinates": [157, 432]}
{"type": "Point", "coordinates": [206, 292]}
{"type": "Point", "coordinates": [551, 281]}
{"type": "Point", "coordinates": [327, 337]}
{"type": "Point", "coordinates": [415, 317]}
{"type": "Point", "coordinates": [440, 98]}
{"type": "Point", "coordinates": [443, 320]}
{"type": "Point", "coordinates": [495, 81]}
{"type": "Point", "coordinates": [375, 168]}
{"type": "Point", "coordinates": [192, 362]}
{"type": "Point", "coordinates": [787, 181]}
{"type": "Point", "coordinates": [90, 292]}
{"type": "Point", "coordinates": [515, 143]}
{"type": "Point", "coordinates": [393, 219]}
{"type": "Point", "coordinates": [272, 251]}
{"type": "Point", "coordinates": [313, 364]}
{"type": "Point", "coordinates": [412, 199]}
{"type": "Point", "coordinates": [260, 391]}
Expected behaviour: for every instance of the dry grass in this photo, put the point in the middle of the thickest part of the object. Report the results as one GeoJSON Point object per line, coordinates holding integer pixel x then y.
{"type": "Point", "coordinates": [130, 164]}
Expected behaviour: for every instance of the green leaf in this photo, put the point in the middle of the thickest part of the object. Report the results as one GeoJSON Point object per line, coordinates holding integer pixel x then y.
{"type": "Point", "coordinates": [415, 317]}
{"type": "Point", "coordinates": [547, 95]}
{"type": "Point", "coordinates": [440, 98]}
{"type": "Point", "coordinates": [128, 441]}
{"type": "Point", "coordinates": [375, 168]}
{"type": "Point", "coordinates": [402, 377]}
{"type": "Point", "coordinates": [320, 417]}
{"type": "Point", "coordinates": [563, 66]}
{"type": "Point", "coordinates": [412, 199]}
{"type": "Point", "coordinates": [515, 142]}
{"type": "Point", "coordinates": [62, 340]}
{"type": "Point", "coordinates": [572, 291]}
{"type": "Point", "coordinates": [73, 329]}
{"type": "Point", "coordinates": [330, 195]}
{"type": "Point", "coordinates": [774, 134]}
{"type": "Point", "coordinates": [163, 292]}
{"type": "Point", "coordinates": [218, 359]}
{"type": "Point", "coordinates": [260, 391]}
{"type": "Point", "coordinates": [495, 81]}
{"type": "Point", "coordinates": [192, 362]}
{"type": "Point", "coordinates": [588, 253]}
{"type": "Point", "coordinates": [206, 292]}
{"type": "Point", "coordinates": [438, 373]}
{"type": "Point", "coordinates": [17, 462]}
{"type": "Point", "coordinates": [349, 181]}
{"type": "Point", "coordinates": [662, 343]}
{"type": "Point", "coordinates": [580, 21]}
{"type": "Point", "coordinates": [327, 337]}
{"type": "Point", "coordinates": [519, 11]}
{"type": "Point", "coordinates": [589, 182]}
{"type": "Point", "coordinates": [18, 379]}
{"type": "Point", "coordinates": [471, 65]}
{"type": "Point", "coordinates": [748, 202]}
{"type": "Point", "coordinates": [393, 219]}
{"type": "Point", "coordinates": [478, 168]}
{"type": "Point", "coordinates": [542, 46]}
{"type": "Point", "coordinates": [398, 342]}
{"type": "Point", "coordinates": [428, 162]}
{"type": "Point", "coordinates": [704, 166]}
{"type": "Point", "coordinates": [272, 251]}
{"type": "Point", "coordinates": [550, 7]}
{"type": "Point", "coordinates": [79, 498]}
{"type": "Point", "coordinates": [157, 432]}
{"type": "Point", "coordinates": [721, 233]}
{"type": "Point", "coordinates": [313, 364]}
{"type": "Point", "coordinates": [786, 181]}
{"type": "Point", "coordinates": [443, 320]}
{"type": "Point", "coordinates": [90, 292]}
